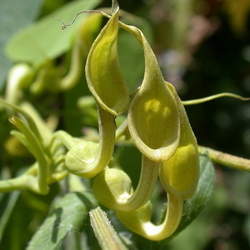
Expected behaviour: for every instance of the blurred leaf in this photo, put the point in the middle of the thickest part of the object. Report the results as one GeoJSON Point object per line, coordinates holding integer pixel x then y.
{"type": "Point", "coordinates": [195, 237]}
{"type": "Point", "coordinates": [194, 206]}
{"type": "Point", "coordinates": [14, 15]}
{"type": "Point", "coordinates": [203, 230]}
{"type": "Point", "coordinates": [45, 39]}
{"type": "Point", "coordinates": [246, 228]}
{"type": "Point", "coordinates": [67, 216]}
{"type": "Point", "coordinates": [7, 212]}
{"type": "Point", "coordinates": [238, 184]}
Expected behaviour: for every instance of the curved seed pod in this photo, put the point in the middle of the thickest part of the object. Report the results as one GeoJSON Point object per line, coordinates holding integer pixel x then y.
{"type": "Point", "coordinates": [19, 77]}
{"type": "Point", "coordinates": [153, 117]}
{"type": "Point", "coordinates": [139, 221]}
{"type": "Point", "coordinates": [88, 159]}
{"type": "Point", "coordinates": [109, 184]}
{"type": "Point", "coordinates": [102, 70]}
{"type": "Point", "coordinates": [80, 49]}
{"type": "Point", "coordinates": [180, 173]}
{"type": "Point", "coordinates": [113, 187]}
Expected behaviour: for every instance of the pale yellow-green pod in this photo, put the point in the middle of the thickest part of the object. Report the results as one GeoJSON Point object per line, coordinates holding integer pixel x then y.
{"type": "Point", "coordinates": [81, 46]}
{"type": "Point", "coordinates": [139, 221]}
{"type": "Point", "coordinates": [103, 73]}
{"type": "Point", "coordinates": [153, 117]}
{"type": "Point", "coordinates": [113, 187]}
{"type": "Point", "coordinates": [180, 173]}
{"type": "Point", "coordinates": [109, 185]}
{"type": "Point", "coordinates": [19, 77]}
{"type": "Point", "coordinates": [87, 159]}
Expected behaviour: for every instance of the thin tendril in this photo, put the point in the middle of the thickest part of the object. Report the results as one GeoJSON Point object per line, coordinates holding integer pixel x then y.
{"type": "Point", "coordinates": [64, 26]}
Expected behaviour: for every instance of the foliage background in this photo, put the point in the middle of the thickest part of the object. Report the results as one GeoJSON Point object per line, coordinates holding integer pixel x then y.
{"type": "Point", "coordinates": [206, 53]}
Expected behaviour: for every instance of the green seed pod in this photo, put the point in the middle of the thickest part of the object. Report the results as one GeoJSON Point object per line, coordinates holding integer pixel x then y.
{"type": "Point", "coordinates": [80, 48]}
{"type": "Point", "coordinates": [19, 77]}
{"type": "Point", "coordinates": [180, 173]}
{"type": "Point", "coordinates": [87, 159]}
{"type": "Point", "coordinates": [139, 221]}
{"type": "Point", "coordinates": [109, 185]}
{"type": "Point", "coordinates": [113, 187]}
{"type": "Point", "coordinates": [153, 117]}
{"type": "Point", "coordinates": [103, 74]}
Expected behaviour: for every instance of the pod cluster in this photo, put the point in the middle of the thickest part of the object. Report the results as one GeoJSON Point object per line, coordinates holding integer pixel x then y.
{"type": "Point", "coordinates": [158, 126]}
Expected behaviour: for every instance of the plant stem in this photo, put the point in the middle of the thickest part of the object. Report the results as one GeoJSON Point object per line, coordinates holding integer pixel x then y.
{"type": "Point", "coordinates": [19, 183]}
{"type": "Point", "coordinates": [104, 232]}
{"type": "Point", "coordinates": [226, 159]}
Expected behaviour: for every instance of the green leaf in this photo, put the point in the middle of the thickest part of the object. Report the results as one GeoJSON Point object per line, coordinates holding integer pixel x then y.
{"type": "Point", "coordinates": [14, 15]}
{"type": "Point", "coordinates": [67, 216]}
{"type": "Point", "coordinates": [45, 39]}
{"type": "Point", "coordinates": [194, 206]}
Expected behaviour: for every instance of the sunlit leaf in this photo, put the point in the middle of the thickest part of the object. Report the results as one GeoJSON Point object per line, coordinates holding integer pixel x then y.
{"type": "Point", "coordinates": [14, 15]}
{"type": "Point", "coordinates": [45, 39]}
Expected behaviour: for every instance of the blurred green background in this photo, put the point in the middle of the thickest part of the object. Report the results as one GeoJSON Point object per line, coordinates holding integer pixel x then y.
{"type": "Point", "coordinates": [203, 47]}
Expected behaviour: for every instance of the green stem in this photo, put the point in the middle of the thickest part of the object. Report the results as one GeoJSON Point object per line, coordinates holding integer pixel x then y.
{"type": "Point", "coordinates": [121, 130]}
{"type": "Point", "coordinates": [66, 139]}
{"type": "Point", "coordinates": [42, 128]}
{"type": "Point", "coordinates": [226, 159]}
{"type": "Point", "coordinates": [75, 184]}
{"type": "Point", "coordinates": [104, 232]}
{"type": "Point", "coordinates": [22, 182]}
{"type": "Point", "coordinates": [37, 150]}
